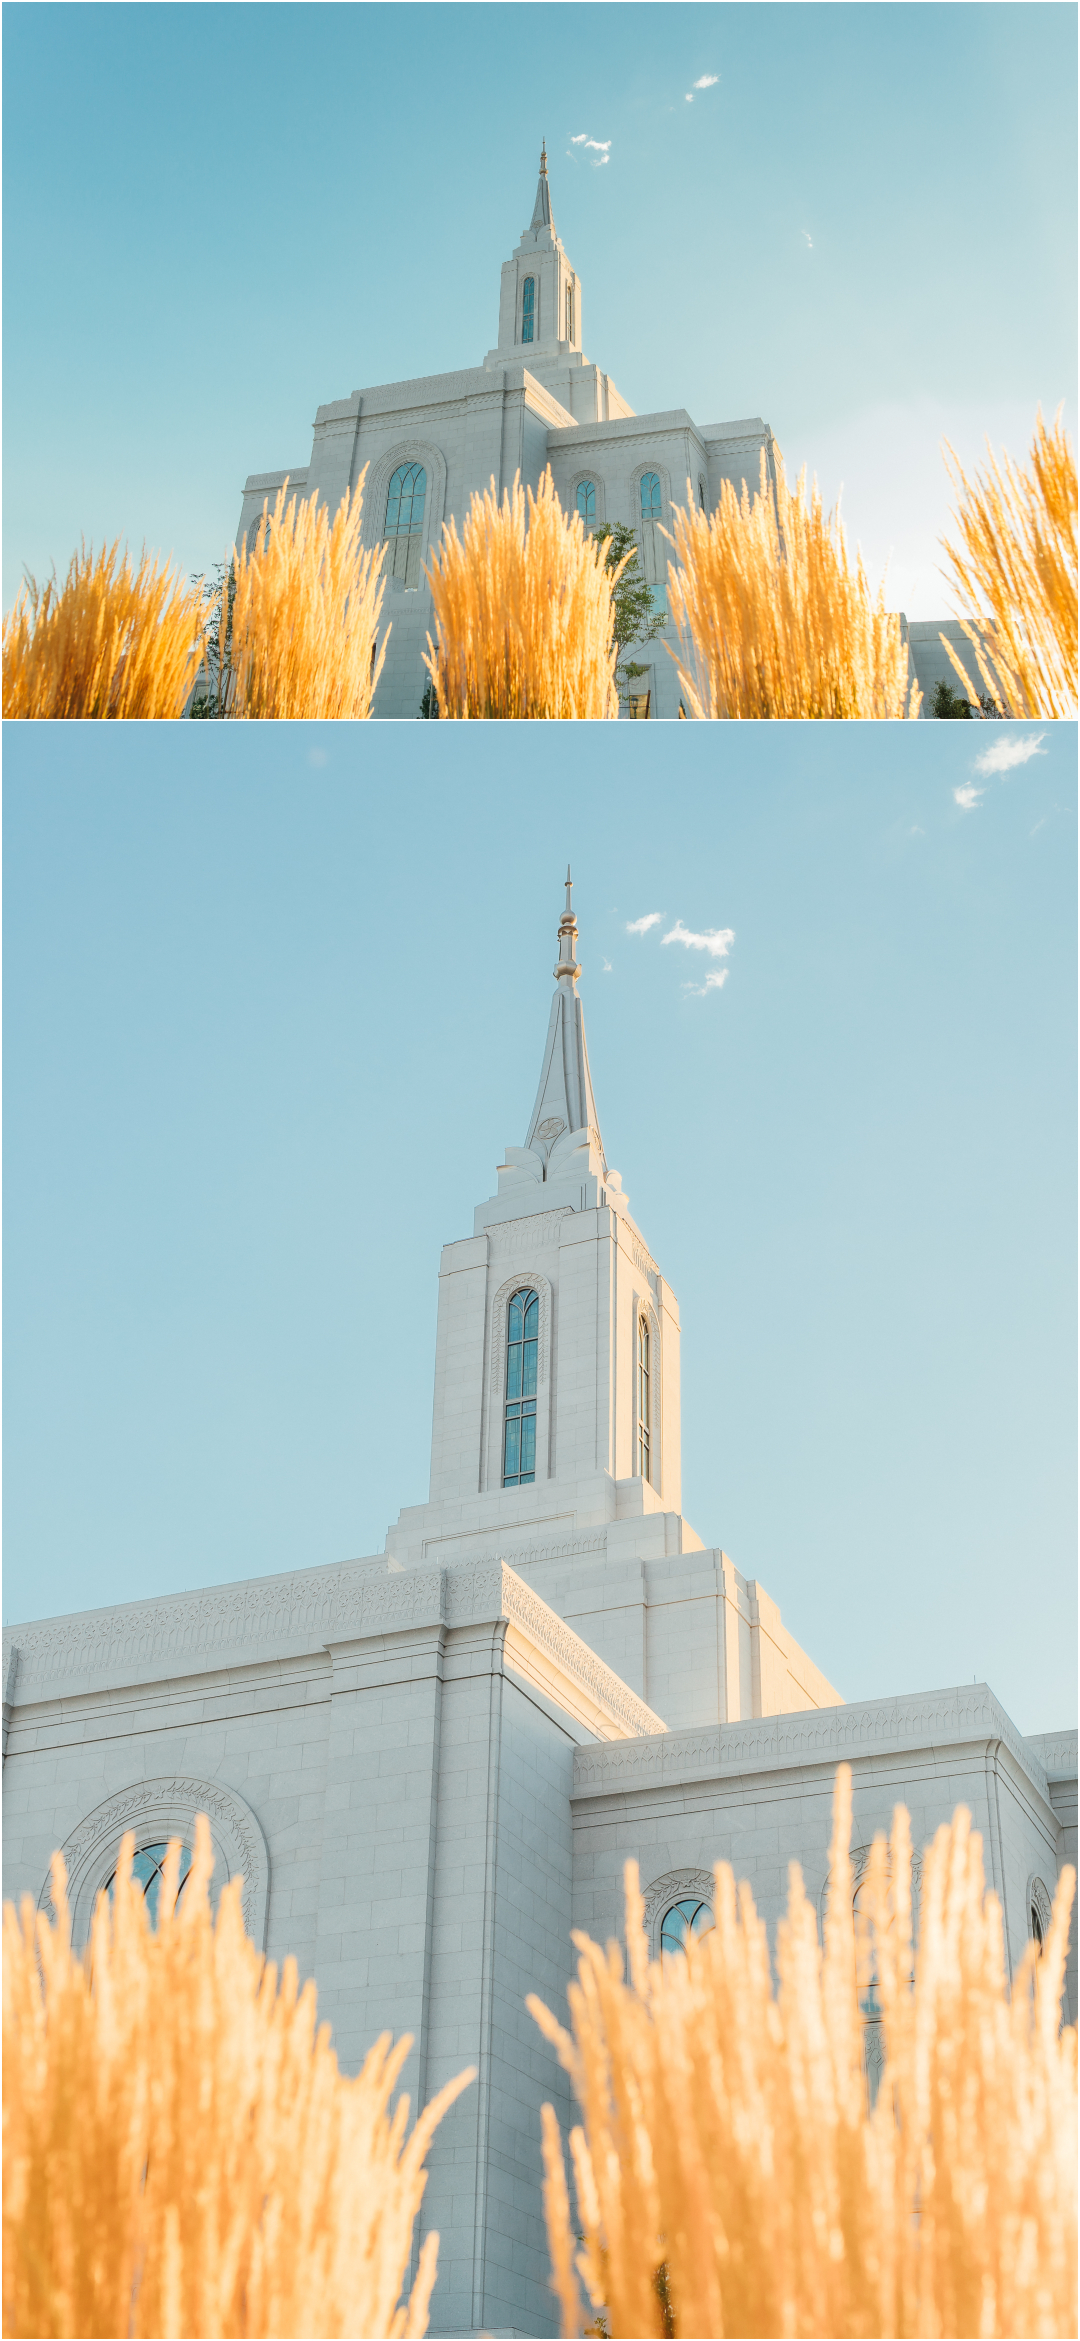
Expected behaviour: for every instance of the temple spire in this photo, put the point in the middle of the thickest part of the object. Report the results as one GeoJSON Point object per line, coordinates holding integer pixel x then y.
{"type": "Point", "coordinates": [542, 214]}
{"type": "Point", "coordinates": [564, 1100]}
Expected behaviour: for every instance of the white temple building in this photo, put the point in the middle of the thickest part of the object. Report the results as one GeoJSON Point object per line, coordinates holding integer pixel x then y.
{"type": "Point", "coordinates": [536, 400]}
{"type": "Point", "coordinates": [429, 1764]}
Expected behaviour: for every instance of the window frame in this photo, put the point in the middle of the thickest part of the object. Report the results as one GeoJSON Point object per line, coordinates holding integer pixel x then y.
{"type": "Point", "coordinates": [643, 1395]}
{"type": "Point", "coordinates": [530, 310]}
{"type": "Point", "coordinates": [406, 542]}
{"type": "Point", "coordinates": [520, 1404]}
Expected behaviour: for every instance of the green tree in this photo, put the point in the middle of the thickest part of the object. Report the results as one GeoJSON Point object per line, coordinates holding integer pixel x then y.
{"type": "Point", "coordinates": [636, 622]}
{"type": "Point", "coordinates": [948, 705]}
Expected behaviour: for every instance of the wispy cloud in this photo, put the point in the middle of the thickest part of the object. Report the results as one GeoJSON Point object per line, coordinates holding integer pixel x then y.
{"type": "Point", "coordinates": [652, 918]}
{"type": "Point", "coordinates": [809, 239]}
{"type": "Point", "coordinates": [1005, 754]}
{"type": "Point", "coordinates": [598, 147]}
{"type": "Point", "coordinates": [606, 964]}
{"type": "Point", "coordinates": [969, 796]}
{"type": "Point", "coordinates": [713, 983]}
{"type": "Point", "coordinates": [704, 81]}
{"type": "Point", "coordinates": [717, 941]}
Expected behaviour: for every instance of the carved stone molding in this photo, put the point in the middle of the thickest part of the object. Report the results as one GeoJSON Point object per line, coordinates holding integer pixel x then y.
{"type": "Point", "coordinates": [1040, 1901]}
{"type": "Point", "coordinates": [157, 1810]}
{"type": "Point", "coordinates": [482, 1590]}
{"type": "Point", "coordinates": [539, 1229]}
{"type": "Point", "coordinates": [408, 449]}
{"type": "Point", "coordinates": [860, 1863]}
{"type": "Point", "coordinates": [644, 1265]}
{"type": "Point", "coordinates": [674, 1886]}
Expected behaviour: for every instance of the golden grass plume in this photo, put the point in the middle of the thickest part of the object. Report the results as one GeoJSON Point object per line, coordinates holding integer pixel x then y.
{"type": "Point", "coordinates": [1014, 572]}
{"type": "Point", "coordinates": [181, 2154]}
{"type": "Point", "coordinates": [732, 2177]}
{"type": "Point", "coordinates": [524, 623]}
{"type": "Point", "coordinates": [300, 616]}
{"type": "Point", "coordinates": [109, 641]}
{"type": "Point", "coordinates": [771, 617]}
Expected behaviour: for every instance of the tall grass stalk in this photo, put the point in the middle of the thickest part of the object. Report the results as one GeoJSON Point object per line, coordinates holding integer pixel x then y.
{"type": "Point", "coordinates": [732, 2177]}
{"type": "Point", "coordinates": [1014, 572]}
{"type": "Point", "coordinates": [524, 620]}
{"type": "Point", "coordinates": [181, 2154]}
{"type": "Point", "coordinates": [302, 613]}
{"type": "Point", "coordinates": [109, 641]}
{"type": "Point", "coordinates": [771, 617]}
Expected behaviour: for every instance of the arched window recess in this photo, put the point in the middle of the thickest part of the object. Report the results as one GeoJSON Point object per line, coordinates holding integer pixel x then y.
{"type": "Point", "coordinates": [519, 1419]}
{"type": "Point", "coordinates": [528, 309]}
{"type": "Point", "coordinates": [644, 1401]}
{"type": "Point", "coordinates": [683, 1923]}
{"type": "Point", "coordinates": [586, 501]}
{"type": "Point", "coordinates": [404, 529]}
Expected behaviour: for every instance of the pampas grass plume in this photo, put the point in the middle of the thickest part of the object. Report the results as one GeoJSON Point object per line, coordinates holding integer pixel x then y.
{"type": "Point", "coordinates": [110, 641]}
{"type": "Point", "coordinates": [181, 2154]}
{"type": "Point", "coordinates": [1014, 572]}
{"type": "Point", "coordinates": [301, 612]}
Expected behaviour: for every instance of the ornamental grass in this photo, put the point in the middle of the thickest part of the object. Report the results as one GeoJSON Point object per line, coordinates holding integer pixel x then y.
{"type": "Point", "coordinates": [301, 611]}
{"type": "Point", "coordinates": [732, 2176]}
{"type": "Point", "coordinates": [1014, 573]}
{"type": "Point", "coordinates": [109, 641]}
{"type": "Point", "coordinates": [524, 619]}
{"type": "Point", "coordinates": [771, 617]}
{"type": "Point", "coordinates": [181, 2154]}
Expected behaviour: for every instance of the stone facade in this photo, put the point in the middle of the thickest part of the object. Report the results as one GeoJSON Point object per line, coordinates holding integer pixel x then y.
{"type": "Point", "coordinates": [428, 1765]}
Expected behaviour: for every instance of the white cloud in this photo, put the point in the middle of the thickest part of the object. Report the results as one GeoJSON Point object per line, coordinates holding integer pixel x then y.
{"type": "Point", "coordinates": [717, 941]}
{"type": "Point", "coordinates": [652, 918]}
{"type": "Point", "coordinates": [601, 147]}
{"type": "Point", "coordinates": [1007, 752]}
{"type": "Point", "coordinates": [713, 983]}
{"type": "Point", "coordinates": [606, 966]}
{"type": "Point", "coordinates": [809, 239]}
{"type": "Point", "coordinates": [706, 81]}
{"type": "Point", "coordinates": [969, 796]}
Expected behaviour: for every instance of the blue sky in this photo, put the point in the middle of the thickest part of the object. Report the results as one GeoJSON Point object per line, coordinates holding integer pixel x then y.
{"type": "Point", "coordinates": [218, 217]}
{"type": "Point", "coordinates": [276, 999]}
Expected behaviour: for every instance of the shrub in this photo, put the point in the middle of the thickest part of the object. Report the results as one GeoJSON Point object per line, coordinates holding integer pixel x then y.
{"type": "Point", "coordinates": [1014, 572]}
{"type": "Point", "coordinates": [182, 2155]}
{"type": "Point", "coordinates": [732, 2176]}
{"type": "Point", "coordinates": [107, 642]}
{"type": "Point", "coordinates": [772, 619]}
{"type": "Point", "coordinates": [524, 623]}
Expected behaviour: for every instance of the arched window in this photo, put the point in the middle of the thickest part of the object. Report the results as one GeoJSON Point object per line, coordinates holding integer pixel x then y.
{"type": "Point", "coordinates": [528, 309]}
{"type": "Point", "coordinates": [146, 1870]}
{"type": "Point", "coordinates": [1036, 1927]}
{"type": "Point", "coordinates": [404, 529]}
{"type": "Point", "coordinates": [644, 1400]}
{"type": "Point", "coordinates": [653, 549]}
{"type": "Point", "coordinates": [683, 1920]}
{"type": "Point", "coordinates": [519, 1429]}
{"type": "Point", "coordinates": [258, 536]}
{"type": "Point", "coordinates": [586, 501]}
{"type": "Point", "coordinates": [569, 312]}
{"type": "Point", "coordinates": [701, 493]}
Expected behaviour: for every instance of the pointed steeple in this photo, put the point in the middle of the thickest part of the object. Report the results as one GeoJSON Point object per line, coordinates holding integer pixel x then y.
{"type": "Point", "coordinates": [564, 1100]}
{"type": "Point", "coordinates": [542, 214]}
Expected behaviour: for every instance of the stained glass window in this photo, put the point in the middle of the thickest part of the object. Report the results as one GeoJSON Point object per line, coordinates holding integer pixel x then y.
{"type": "Point", "coordinates": [528, 309]}
{"type": "Point", "coordinates": [644, 1426]}
{"type": "Point", "coordinates": [683, 1920]}
{"type": "Point", "coordinates": [586, 501]}
{"type": "Point", "coordinates": [404, 529]}
{"type": "Point", "coordinates": [146, 1870]}
{"type": "Point", "coordinates": [519, 1430]}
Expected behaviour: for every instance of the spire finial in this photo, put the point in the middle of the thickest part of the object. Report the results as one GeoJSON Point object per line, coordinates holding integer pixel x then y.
{"type": "Point", "coordinates": [567, 968]}
{"type": "Point", "coordinates": [543, 158]}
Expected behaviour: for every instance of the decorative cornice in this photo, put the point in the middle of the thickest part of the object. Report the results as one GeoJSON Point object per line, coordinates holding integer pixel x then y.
{"type": "Point", "coordinates": [825, 1735]}
{"type": "Point", "coordinates": [1055, 1751]}
{"type": "Point", "coordinates": [674, 1886]}
{"type": "Point", "coordinates": [482, 1590]}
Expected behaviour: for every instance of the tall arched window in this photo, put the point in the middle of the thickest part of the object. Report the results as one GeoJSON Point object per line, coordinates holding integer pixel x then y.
{"type": "Point", "coordinates": [701, 493]}
{"type": "Point", "coordinates": [653, 550]}
{"type": "Point", "coordinates": [519, 1429]}
{"type": "Point", "coordinates": [146, 1870]}
{"type": "Point", "coordinates": [586, 501]}
{"type": "Point", "coordinates": [569, 312]}
{"type": "Point", "coordinates": [644, 1401]}
{"type": "Point", "coordinates": [684, 1920]}
{"type": "Point", "coordinates": [528, 309]}
{"type": "Point", "coordinates": [404, 529]}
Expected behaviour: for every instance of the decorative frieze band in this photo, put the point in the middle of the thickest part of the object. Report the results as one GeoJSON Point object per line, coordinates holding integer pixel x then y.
{"type": "Point", "coordinates": [811, 1736]}
{"type": "Point", "coordinates": [536, 1229]}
